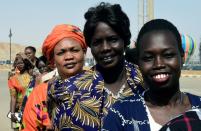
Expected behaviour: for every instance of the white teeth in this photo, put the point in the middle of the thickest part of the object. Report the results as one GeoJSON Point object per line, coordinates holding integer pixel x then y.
{"type": "Point", "coordinates": [105, 58]}
{"type": "Point", "coordinates": [161, 76]}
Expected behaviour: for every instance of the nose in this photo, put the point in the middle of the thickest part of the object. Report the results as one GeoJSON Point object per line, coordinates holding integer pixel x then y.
{"type": "Point", "coordinates": [68, 55]}
{"type": "Point", "coordinates": [106, 46]}
{"type": "Point", "coordinates": [159, 63]}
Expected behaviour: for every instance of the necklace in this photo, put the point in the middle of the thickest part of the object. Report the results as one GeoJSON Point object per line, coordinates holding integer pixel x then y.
{"type": "Point", "coordinates": [123, 80]}
{"type": "Point", "coordinates": [118, 93]}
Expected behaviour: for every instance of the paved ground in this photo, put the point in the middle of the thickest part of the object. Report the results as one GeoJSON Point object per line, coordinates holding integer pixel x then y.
{"type": "Point", "coordinates": [188, 84]}
{"type": "Point", "coordinates": [4, 102]}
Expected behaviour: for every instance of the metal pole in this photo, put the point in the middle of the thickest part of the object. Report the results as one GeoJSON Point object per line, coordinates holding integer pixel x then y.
{"type": "Point", "coordinates": [150, 10]}
{"type": "Point", "coordinates": [10, 35]}
{"type": "Point", "coordinates": [140, 14]}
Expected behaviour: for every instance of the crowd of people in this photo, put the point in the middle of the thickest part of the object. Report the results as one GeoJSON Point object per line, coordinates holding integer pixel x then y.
{"type": "Point", "coordinates": [127, 89]}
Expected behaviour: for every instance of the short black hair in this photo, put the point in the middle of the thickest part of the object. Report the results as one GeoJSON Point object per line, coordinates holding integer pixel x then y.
{"type": "Point", "coordinates": [111, 15]}
{"type": "Point", "coordinates": [41, 58]}
{"type": "Point", "coordinates": [159, 24]}
{"type": "Point", "coordinates": [31, 48]}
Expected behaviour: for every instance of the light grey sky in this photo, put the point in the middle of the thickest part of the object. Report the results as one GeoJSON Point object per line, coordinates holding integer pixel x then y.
{"type": "Point", "coordinates": [31, 21]}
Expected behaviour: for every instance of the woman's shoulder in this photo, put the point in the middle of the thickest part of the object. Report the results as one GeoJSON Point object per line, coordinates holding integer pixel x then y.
{"type": "Point", "coordinates": [134, 77]}
{"type": "Point", "coordinates": [40, 91]}
{"type": "Point", "coordinates": [131, 65]}
{"type": "Point", "coordinates": [84, 79]}
{"type": "Point", "coordinates": [195, 100]}
{"type": "Point", "coordinates": [41, 86]}
{"type": "Point", "coordinates": [190, 118]}
{"type": "Point", "coordinates": [193, 96]}
{"type": "Point", "coordinates": [133, 68]}
{"type": "Point", "coordinates": [81, 82]}
{"type": "Point", "coordinates": [14, 76]}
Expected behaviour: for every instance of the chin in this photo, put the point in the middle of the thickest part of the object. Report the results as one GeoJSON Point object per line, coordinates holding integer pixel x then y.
{"type": "Point", "coordinates": [72, 72]}
{"type": "Point", "coordinates": [161, 86]}
{"type": "Point", "coordinates": [156, 86]}
{"type": "Point", "coordinates": [112, 64]}
{"type": "Point", "coordinates": [109, 66]}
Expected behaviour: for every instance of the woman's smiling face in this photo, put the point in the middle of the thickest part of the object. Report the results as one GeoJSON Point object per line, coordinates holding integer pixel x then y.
{"type": "Point", "coordinates": [160, 60]}
{"type": "Point", "coordinates": [107, 47]}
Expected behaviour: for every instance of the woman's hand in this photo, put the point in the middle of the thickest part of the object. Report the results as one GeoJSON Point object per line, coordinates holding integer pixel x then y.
{"type": "Point", "coordinates": [13, 117]}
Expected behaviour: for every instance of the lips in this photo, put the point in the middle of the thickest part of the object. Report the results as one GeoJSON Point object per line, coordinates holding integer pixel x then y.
{"type": "Point", "coordinates": [70, 65]}
{"type": "Point", "coordinates": [161, 78]}
{"type": "Point", "coordinates": [107, 59]}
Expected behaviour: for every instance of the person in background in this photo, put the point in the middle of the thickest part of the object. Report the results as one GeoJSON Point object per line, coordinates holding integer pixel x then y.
{"type": "Point", "coordinates": [160, 59]}
{"type": "Point", "coordinates": [83, 104]}
{"type": "Point", "coordinates": [65, 48]}
{"type": "Point", "coordinates": [14, 69]}
{"type": "Point", "coordinates": [18, 85]}
{"type": "Point", "coordinates": [43, 68]}
{"type": "Point", "coordinates": [30, 52]}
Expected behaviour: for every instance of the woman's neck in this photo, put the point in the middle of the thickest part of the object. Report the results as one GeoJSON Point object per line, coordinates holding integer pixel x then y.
{"type": "Point", "coordinates": [118, 86]}
{"type": "Point", "coordinates": [33, 60]}
{"type": "Point", "coordinates": [113, 74]}
{"type": "Point", "coordinates": [23, 71]}
{"type": "Point", "coordinates": [65, 76]}
{"type": "Point", "coordinates": [163, 97]}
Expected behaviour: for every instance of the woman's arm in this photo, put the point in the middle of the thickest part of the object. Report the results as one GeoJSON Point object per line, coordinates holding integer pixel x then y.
{"type": "Point", "coordinates": [12, 108]}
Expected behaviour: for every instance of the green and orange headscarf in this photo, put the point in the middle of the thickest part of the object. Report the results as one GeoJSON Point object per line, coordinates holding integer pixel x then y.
{"type": "Point", "coordinates": [58, 33]}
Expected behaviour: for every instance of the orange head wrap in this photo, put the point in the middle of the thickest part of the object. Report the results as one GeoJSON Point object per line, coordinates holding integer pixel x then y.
{"type": "Point", "coordinates": [58, 33]}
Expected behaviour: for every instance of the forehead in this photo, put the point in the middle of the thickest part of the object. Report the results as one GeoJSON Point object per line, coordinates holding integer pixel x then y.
{"type": "Point", "coordinates": [28, 50]}
{"type": "Point", "coordinates": [103, 30]}
{"type": "Point", "coordinates": [67, 43]}
{"type": "Point", "coordinates": [158, 39]}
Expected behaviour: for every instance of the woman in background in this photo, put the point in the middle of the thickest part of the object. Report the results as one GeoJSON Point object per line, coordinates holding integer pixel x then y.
{"type": "Point", "coordinates": [14, 69]}
{"type": "Point", "coordinates": [18, 85]}
{"type": "Point", "coordinates": [43, 68]}
{"type": "Point", "coordinates": [30, 52]}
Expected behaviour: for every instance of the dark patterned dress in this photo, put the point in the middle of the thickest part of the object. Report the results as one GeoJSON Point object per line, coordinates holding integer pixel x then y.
{"type": "Point", "coordinates": [130, 114]}
{"type": "Point", "coordinates": [80, 102]}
